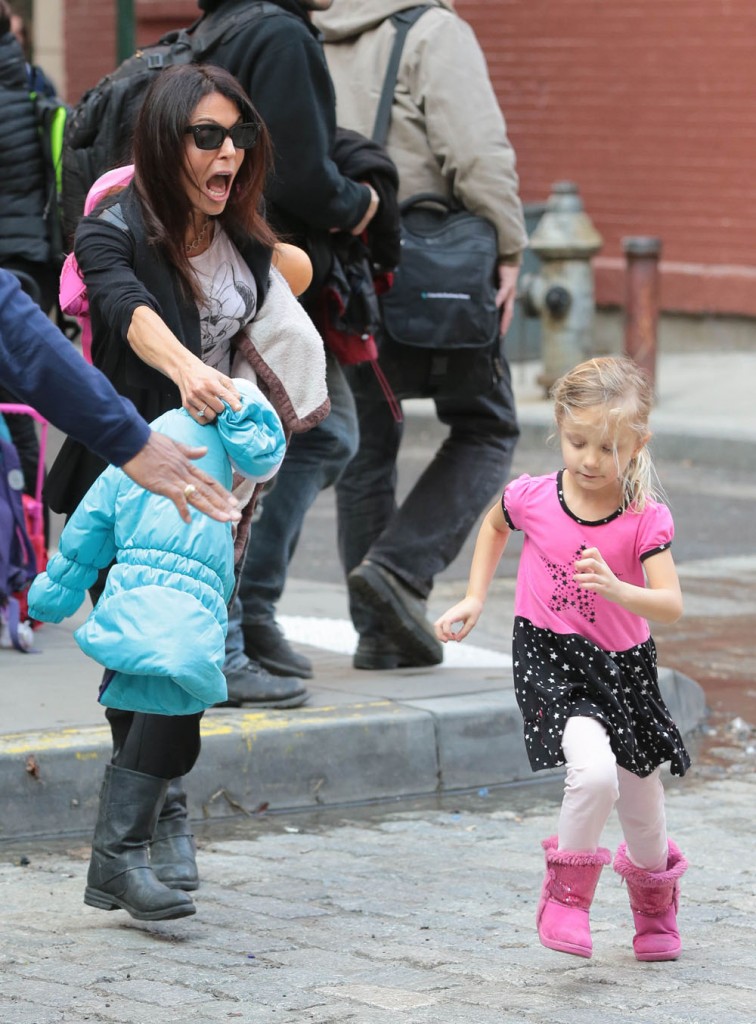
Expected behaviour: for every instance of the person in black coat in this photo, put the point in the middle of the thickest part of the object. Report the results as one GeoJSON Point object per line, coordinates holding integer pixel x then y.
{"type": "Point", "coordinates": [24, 244]}
{"type": "Point", "coordinates": [277, 56]}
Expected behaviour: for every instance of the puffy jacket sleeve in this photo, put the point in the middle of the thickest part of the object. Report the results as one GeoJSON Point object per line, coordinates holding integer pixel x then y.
{"type": "Point", "coordinates": [87, 545]}
{"type": "Point", "coordinates": [253, 437]}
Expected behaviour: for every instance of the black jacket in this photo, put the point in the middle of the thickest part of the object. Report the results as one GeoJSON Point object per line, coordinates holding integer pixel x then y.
{"type": "Point", "coordinates": [111, 248]}
{"type": "Point", "coordinates": [23, 233]}
{"type": "Point", "coordinates": [278, 58]}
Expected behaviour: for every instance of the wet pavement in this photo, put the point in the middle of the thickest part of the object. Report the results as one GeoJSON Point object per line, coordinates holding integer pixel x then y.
{"type": "Point", "coordinates": [715, 642]}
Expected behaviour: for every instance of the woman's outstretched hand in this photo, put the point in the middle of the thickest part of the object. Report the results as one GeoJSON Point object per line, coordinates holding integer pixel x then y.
{"type": "Point", "coordinates": [467, 612]}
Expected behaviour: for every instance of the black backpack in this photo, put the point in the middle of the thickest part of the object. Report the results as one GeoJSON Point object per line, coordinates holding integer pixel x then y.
{"type": "Point", "coordinates": [440, 324]}
{"type": "Point", "coordinates": [100, 127]}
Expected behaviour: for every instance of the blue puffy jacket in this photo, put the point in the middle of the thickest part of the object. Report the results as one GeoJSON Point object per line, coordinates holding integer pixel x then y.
{"type": "Point", "coordinates": [161, 622]}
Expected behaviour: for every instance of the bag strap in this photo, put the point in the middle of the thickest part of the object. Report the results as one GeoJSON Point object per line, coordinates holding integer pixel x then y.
{"type": "Point", "coordinates": [403, 20]}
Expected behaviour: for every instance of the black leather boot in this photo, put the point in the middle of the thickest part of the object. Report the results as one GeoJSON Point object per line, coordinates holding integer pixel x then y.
{"type": "Point", "coordinates": [173, 855]}
{"type": "Point", "coordinates": [119, 874]}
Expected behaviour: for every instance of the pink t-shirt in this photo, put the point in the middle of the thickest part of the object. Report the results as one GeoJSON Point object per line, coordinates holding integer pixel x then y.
{"type": "Point", "coordinates": [554, 538]}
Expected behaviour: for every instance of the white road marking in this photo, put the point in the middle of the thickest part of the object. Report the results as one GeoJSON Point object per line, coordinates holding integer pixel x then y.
{"type": "Point", "coordinates": [339, 636]}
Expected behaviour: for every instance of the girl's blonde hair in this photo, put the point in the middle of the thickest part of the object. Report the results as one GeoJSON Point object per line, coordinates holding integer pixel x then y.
{"type": "Point", "coordinates": [625, 390]}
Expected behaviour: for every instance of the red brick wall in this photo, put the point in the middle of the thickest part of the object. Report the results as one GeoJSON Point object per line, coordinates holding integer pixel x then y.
{"type": "Point", "coordinates": [156, 17]}
{"type": "Point", "coordinates": [647, 105]}
{"type": "Point", "coordinates": [89, 28]}
{"type": "Point", "coordinates": [90, 35]}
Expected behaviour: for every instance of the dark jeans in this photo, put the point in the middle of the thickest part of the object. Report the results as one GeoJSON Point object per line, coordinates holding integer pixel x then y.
{"type": "Point", "coordinates": [420, 538]}
{"type": "Point", "coordinates": [313, 461]}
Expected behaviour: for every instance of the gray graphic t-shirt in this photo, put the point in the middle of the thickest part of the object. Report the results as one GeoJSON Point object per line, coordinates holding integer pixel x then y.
{"type": "Point", "coordinates": [230, 301]}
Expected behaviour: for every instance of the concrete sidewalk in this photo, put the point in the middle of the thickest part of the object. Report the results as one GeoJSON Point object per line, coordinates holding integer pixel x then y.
{"type": "Point", "coordinates": [362, 736]}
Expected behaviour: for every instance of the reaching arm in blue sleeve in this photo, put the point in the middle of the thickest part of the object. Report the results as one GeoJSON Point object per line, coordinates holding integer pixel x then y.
{"type": "Point", "coordinates": [41, 368]}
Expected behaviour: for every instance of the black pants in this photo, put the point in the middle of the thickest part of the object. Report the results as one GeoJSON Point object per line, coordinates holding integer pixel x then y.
{"type": "Point", "coordinates": [417, 538]}
{"type": "Point", "coordinates": [166, 746]}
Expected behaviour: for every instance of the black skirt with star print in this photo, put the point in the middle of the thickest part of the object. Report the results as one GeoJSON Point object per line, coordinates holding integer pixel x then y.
{"type": "Point", "coordinates": [558, 676]}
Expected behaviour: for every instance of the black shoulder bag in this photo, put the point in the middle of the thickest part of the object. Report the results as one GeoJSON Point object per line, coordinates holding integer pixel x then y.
{"type": "Point", "coordinates": [440, 324]}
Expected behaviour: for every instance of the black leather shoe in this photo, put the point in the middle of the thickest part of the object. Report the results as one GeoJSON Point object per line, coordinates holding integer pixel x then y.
{"type": "Point", "coordinates": [265, 643]}
{"type": "Point", "coordinates": [376, 654]}
{"type": "Point", "coordinates": [403, 618]}
{"type": "Point", "coordinates": [256, 687]}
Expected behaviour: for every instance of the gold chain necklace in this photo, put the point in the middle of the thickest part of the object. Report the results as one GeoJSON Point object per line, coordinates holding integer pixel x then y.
{"type": "Point", "coordinates": [190, 247]}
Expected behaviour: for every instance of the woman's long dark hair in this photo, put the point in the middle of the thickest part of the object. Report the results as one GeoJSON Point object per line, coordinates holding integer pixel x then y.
{"type": "Point", "coordinates": [159, 141]}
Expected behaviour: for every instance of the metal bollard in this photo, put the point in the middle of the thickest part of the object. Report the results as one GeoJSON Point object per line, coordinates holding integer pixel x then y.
{"type": "Point", "coordinates": [561, 294]}
{"type": "Point", "coordinates": [642, 301]}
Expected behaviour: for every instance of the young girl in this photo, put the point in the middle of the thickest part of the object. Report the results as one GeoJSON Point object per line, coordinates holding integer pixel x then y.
{"type": "Point", "coordinates": [596, 564]}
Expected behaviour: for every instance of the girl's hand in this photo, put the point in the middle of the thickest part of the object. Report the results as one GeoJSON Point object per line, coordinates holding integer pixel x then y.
{"type": "Point", "coordinates": [660, 601]}
{"type": "Point", "coordinates": [204, 390]}
{"type": "Point", "coordinates": [592, 573]}
{"type": "Point", "coordinates": [466, 612]}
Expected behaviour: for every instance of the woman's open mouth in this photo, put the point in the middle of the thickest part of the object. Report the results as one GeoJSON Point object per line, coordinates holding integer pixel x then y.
{"type": "Point", "coordinates": [218, 187]}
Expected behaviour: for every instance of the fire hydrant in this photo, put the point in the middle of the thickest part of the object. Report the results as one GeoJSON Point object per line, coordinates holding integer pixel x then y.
{"type": "Point", "coordinates": [561, 294]}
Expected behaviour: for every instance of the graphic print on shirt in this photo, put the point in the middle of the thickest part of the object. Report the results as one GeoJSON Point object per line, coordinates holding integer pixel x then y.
{"type": "Point", "coordinates": [230, 305]}
{"type": "Point", "coordinates": [567, 593]}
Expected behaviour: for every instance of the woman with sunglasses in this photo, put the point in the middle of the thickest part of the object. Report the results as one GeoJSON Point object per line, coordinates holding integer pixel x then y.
{"type": "Point", "coordinates": [176, 265]}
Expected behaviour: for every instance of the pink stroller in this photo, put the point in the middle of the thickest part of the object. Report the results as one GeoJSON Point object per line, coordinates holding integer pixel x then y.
{"type": "Point", "coordinates": [33, 512]}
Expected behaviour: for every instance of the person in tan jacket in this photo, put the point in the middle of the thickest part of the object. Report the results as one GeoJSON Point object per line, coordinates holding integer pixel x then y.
{"type": "Point", "coordinates": [447, 135]}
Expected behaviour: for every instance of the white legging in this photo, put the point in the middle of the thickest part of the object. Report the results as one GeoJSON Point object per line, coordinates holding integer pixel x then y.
{"type": "Point", "coordinates": [595, 783]}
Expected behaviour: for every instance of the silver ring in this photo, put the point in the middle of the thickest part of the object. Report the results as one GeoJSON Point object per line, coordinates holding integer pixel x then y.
{"type": "Point", "coordinates": [201, 413]}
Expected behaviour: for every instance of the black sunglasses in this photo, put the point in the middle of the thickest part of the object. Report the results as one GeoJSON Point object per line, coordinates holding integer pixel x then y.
{"type": "Point", "coordinates": [212, 136]}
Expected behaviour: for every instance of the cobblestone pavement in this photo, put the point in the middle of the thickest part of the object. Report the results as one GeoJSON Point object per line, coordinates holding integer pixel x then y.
{"type": "Point", "coordinates": [420, 913]}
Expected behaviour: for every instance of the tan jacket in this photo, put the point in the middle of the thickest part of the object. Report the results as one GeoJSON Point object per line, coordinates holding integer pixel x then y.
{"type": "Point", "coordinates": [447, 132]}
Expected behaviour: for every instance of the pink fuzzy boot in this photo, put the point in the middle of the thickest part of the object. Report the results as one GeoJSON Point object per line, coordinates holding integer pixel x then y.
{"type": "Point", "coordinates": [654, 900]}
{"type": "Point", "coordinates": [566, 897]}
